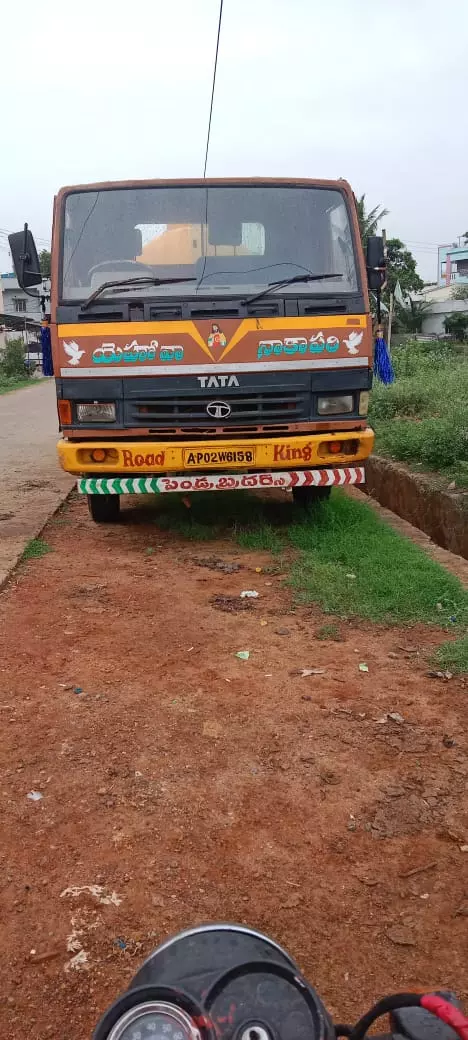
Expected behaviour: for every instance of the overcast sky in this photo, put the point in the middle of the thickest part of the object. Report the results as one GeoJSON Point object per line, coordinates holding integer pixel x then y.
{"type": "Point", "coordinates": [372, 91]}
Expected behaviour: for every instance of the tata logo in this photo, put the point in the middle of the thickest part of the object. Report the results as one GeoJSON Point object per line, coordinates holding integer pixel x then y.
{"type": "Point", "coordinates": [218, 409]}
{"type": "Point", "coordinates": [215, 382]}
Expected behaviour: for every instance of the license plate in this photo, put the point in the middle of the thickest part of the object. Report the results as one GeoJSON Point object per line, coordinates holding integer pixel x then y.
{"type": "Point", "coordinates": [218, 457]}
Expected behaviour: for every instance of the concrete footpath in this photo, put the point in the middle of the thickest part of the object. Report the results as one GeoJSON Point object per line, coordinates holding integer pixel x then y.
{"type": "Point", "coordinates": [32, 484]}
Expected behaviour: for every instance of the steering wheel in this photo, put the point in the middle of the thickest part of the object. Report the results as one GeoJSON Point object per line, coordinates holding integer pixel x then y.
{"type": "Point", "coordinates": [111, 265]}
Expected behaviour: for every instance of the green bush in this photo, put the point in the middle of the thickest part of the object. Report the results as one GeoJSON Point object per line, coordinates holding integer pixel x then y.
{"type": "Point", "coordinates": [457, 325]}
{"type": "Point", "coordinates": [12, 361]}
{"type": "Point", "coordinates": [413, 357]}
{"type": "Point", "coordinates": [436, 443]}
{"type": "Point", "coordinates": [422, 418]}
{"type": "Point", "coordinates": [400, 398]}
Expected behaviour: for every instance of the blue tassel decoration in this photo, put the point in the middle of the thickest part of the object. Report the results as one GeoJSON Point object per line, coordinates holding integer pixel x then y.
{"type": "Point", "coordinates": [47, 366]}
{"type": "Point", "coordinates": [383, 368]}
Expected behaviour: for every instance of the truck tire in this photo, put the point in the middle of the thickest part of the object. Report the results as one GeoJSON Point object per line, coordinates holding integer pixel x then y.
{"type": "Point", "coordinates": [104, 509]}
{"type": "Point", "coordinates": [305, 497]}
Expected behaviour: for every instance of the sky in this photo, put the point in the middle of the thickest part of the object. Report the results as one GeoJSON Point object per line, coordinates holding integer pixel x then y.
{"type": "Point", "coordinates": [372, 91]}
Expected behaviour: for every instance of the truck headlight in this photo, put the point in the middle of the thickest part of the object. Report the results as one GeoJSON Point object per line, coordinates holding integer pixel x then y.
{"type": "Point", "coordinates": [335, 404]}
{"type": "Point", "coordinates": [95, 412]}
{"type": "Point", "coordinates": [363, 402]}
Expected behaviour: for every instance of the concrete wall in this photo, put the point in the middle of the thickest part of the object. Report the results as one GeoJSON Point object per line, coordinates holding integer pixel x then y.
{"type": "Point", "coordinates": [433, 322]}
{"type": "Point", "coordinates": [419, 498]}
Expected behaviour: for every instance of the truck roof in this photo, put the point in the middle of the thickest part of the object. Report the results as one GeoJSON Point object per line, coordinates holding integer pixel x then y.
{"type": "Point", "coordinates": [200, 182]}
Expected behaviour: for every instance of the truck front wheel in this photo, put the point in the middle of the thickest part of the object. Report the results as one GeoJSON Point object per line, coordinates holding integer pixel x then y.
{"type": "Point", "coordinates": [308, 496]}
{"type": "Point", "coordinates": [104, 509]}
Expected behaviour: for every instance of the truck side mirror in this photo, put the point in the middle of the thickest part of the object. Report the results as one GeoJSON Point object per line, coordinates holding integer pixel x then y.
{"type": "Point", "coordinates": [25, 258]}
{"type": "Point", "coordinates": [376, 263]}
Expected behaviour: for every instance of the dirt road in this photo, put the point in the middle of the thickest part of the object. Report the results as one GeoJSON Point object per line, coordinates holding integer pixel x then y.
{"type": "Point", "coordinates": [31, 483]}
{"type": "Point", "coordinates": [181, 784]}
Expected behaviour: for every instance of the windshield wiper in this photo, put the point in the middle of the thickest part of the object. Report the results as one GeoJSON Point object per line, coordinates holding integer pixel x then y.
{"type": "Point", "coordinates": [289, 281]}
{"type": "Point", "coordinates": [141, 281]}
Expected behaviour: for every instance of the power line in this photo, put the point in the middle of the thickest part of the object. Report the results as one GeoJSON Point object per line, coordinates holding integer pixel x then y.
{"type": "Point", "coordinates": [420, 249]}
{"type": "Point", "coordinates": [205, 247]}
{"type": "Point", "coordinates": [421, 245]}
{"type": "Point", "coordinates": [417, 242]}
{"type": "Point", "coordinates": [4, 232]}
{"type": "Point", "coordinates": [213, 86]}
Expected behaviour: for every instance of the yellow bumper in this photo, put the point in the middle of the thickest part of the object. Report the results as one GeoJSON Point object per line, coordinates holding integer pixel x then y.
{"type": "Point", "coordinates": [278, 453]}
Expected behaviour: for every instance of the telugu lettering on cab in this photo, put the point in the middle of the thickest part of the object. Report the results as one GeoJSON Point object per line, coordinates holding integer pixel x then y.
{"type": "Point", "coordinates": [299, 345]}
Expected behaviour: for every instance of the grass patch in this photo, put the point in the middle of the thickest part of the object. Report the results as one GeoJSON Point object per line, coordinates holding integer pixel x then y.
{"type": "Point", "coordinates": [35, 549]}
{"type": "Point", "coordinates": [422, 418]}
{"type": "Point", "coordinates": [453, 656]}
{"type": "Point", "coordinates": [8, 384]}
{"type": "Point", "coordinates": [252, 521]}
{"type": "Point", "coordinates": [353, 563]}
{"type": "Point", "coordinates": [346, 559]}
{"type": "Point", "coordinates": [264, 538]}
{"type": "Point", "coordinates": [329, 632]}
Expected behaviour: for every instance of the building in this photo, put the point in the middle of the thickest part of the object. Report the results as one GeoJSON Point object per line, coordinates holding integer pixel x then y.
{"type": "Point", "coordinates": [2, 325]}
{"type": "Point", "coordinates": [18, 303]}
{"type": "Point", "coordinates": [20, 316]}
{"type": "Point", "coordinates": [438, 305]}
{"type": "Point", "coordinates": [437, 297]}
{"type": "Point", "coordinates": [453, 263]}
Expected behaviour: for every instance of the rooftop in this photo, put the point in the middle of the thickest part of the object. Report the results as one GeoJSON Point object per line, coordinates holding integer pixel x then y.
{"type": "Point", "coordinates": [9, 281]}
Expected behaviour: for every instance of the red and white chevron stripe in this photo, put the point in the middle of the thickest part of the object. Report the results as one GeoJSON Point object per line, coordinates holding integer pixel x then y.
{"type": "Point", "coordinates": [327, 477]}
{"type": "Point", "coordinates": [220, 481]}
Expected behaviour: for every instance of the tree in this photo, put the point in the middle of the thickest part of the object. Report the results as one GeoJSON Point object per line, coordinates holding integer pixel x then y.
{"type": "Point", "coordinates": [401, 267]}
{"type": "Point", "coordinates": [410, 319]}
{"type": "Point", "coordinates": [368, 222]}
{"type": "Point", "coordinates": [12, 364]}
{"type": "Point", "coordinates": [456, 325]}
{"type": "Point", "coordinates": [44, 263]}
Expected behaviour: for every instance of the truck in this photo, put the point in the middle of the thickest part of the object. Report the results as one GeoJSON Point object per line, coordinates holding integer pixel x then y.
{"type": "Point", "coordinates": [209, 335]}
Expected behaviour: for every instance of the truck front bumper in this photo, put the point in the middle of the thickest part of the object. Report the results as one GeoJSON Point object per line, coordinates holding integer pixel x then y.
{"type": "Point", "coordinates": [114, 458]}
{"type": "Point", "coordinates": [221, 481]}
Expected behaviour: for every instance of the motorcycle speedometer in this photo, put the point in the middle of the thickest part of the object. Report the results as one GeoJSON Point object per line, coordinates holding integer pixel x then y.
{"type": "Point", "coordinates": [155, 1020]}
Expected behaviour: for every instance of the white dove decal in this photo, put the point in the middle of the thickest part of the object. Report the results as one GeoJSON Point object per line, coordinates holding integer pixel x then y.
{"type": "Point", "coordinates": [73, 351]}
{"type": "Point", "coordinates": [353, 342]}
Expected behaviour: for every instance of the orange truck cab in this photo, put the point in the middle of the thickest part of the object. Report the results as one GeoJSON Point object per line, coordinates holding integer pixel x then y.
{"type": "Point", "coordinates": [209, 335]}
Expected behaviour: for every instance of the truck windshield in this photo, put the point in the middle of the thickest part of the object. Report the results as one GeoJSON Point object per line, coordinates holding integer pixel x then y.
{"type": "Point", "coordinates": [231, 239]}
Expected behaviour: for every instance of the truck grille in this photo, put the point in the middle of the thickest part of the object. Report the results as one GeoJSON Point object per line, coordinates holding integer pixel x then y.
{"type": "Point", "coordinates": [190, 411]}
